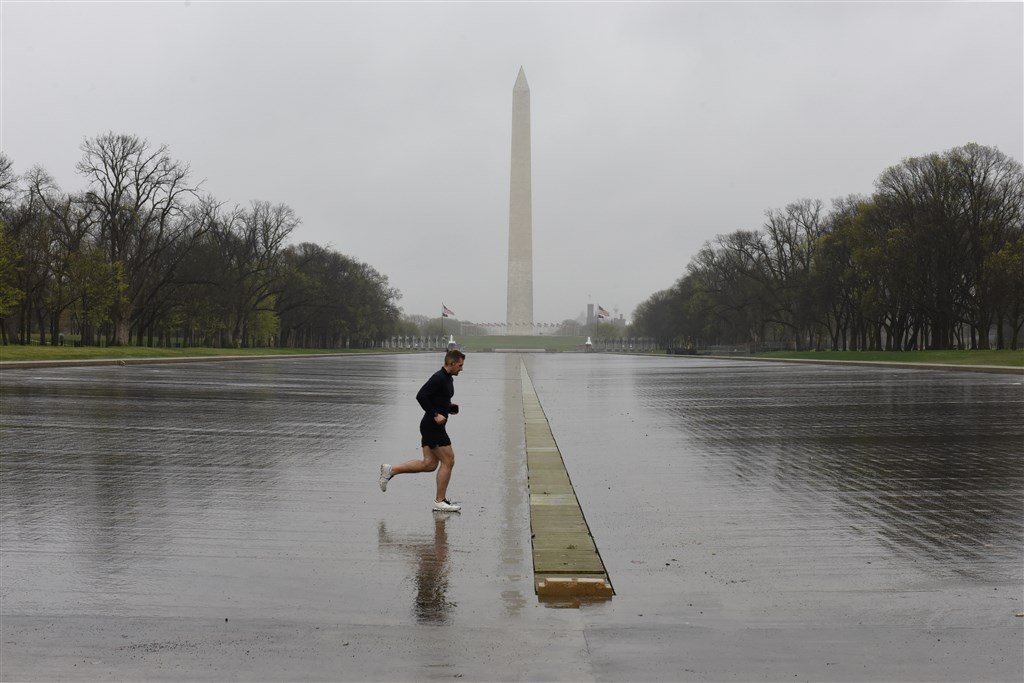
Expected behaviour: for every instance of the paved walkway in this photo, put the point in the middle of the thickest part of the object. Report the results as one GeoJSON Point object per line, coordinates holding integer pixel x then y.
{"type": "Point", "coordinates": [759, 521]}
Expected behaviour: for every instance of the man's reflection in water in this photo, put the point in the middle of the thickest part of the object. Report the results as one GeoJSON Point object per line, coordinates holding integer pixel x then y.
{"type": "Point", "coordinates": [431, 578]}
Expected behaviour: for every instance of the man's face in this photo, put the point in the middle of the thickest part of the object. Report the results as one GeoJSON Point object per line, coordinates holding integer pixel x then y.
{"type": "Point", "coordinates": [455, 367]}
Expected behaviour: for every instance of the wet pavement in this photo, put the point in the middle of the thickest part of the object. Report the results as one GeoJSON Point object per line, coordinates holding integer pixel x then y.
{"type": "Point", "coordinates": [760, 521]}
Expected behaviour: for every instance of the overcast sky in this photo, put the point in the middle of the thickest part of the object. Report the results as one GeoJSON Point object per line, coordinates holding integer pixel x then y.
{"type": "Point", "coordinates": [386, 127]}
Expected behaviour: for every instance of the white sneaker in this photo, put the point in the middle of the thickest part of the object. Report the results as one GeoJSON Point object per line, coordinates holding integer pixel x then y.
{"type": "Point", "coordinates": [385, 476]}
{"type": "Point", "coordinates": [446, 506]}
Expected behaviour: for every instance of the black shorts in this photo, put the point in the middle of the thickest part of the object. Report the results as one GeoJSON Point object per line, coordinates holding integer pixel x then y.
{"type": "Point", "coordinates": [433, 434]}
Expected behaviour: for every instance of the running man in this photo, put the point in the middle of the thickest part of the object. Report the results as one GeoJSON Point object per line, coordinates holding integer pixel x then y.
{"type": "Point", "coordinates": [435, 397]}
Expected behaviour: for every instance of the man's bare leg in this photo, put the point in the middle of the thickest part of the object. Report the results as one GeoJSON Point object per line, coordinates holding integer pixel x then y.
{"type": "Point", "coordinates": [446, 456]}
{"type": "Point", "coordinates": [427, 464]}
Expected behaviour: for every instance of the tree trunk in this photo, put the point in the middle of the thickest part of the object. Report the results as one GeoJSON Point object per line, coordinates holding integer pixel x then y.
{"type": "Point", "coordinates": [984, 328]}
{"type": "Point", "coordinates": [122, 331]}
{"type": "Point", "coordinates": [41, 319]}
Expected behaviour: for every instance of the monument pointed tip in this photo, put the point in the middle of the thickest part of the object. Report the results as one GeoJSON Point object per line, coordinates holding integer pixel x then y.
{"type": "Point", "coordinates": [521, 80]}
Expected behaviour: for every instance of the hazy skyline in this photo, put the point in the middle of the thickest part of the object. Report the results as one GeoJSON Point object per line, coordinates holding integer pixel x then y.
{"type": "Point", "coordinates": [386, 127]}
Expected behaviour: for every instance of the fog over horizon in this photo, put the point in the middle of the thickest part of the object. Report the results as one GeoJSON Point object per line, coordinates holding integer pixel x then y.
{"type": "Point", "coordinates": [386, 127]}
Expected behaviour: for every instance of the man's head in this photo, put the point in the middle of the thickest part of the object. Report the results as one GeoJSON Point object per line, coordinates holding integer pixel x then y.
{"type": "Point", "coordinates": [453, 361]}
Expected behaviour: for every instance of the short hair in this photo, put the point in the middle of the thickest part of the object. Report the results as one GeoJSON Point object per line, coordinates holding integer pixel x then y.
{"type": "Point", "coordinates": [453, 355]}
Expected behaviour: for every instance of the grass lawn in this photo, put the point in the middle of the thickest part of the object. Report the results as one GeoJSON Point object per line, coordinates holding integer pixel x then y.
{"type": "Point", "coordinates": [37, 352]}
{"type": "Point", "coordinates": [495, 341]}
{"type": "Point", "coordinates": [1004, 357]}
{"type": "Point", "coordinates": [469, 344]}
{"type": "Point", "coordinates": [16, 352]}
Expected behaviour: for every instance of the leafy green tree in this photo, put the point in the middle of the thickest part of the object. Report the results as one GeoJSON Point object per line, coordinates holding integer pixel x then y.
{"type": "Point", "coordinates": [833, 279]}
{"type": "Point", "coordinates": [1006, 266]}
{"type": "Point", "coordinates": [263, 328]}
{"type": "Point", "coordinates": [68, 229]}
{"type": "Point", "coordinates": [32, 229]}
{"type": "Point", "coordinates": [934, 258]}
{"type": "Point", "coordinates": [10, 294]}
{"type": "Point", "coordinates": [419, 322]}
{"type": "Point", "coordinates": [249, 244]}
{"type": "Point", "coordinates": [956, 209]}
{"type": "Point", "coordinates": [329, 300]}
{"type": "Point", "coordinates": [991, 198]}
{"type": "Point", "coordinates": [407, 326]}
{"type": "Point", "coordinates": [657, 318]}
{"type": "Point", "coordinates": [98, 287]}
{"type": "Point", "coordinates": [570, 328]}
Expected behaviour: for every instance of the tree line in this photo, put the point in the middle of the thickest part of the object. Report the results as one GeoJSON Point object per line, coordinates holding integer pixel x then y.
{"type": "Point", "coordinates": [934, 258]}
{"type": "Point", "coordinates": [142, 256]}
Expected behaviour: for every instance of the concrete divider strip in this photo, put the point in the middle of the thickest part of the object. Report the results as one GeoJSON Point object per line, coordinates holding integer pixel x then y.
{"type": "Point", "coordinates": [567, 566]}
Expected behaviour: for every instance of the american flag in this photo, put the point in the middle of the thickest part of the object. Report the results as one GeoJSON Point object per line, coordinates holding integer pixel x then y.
{"type": "Point", "coordinates": [446, 312]}
{"type": "Point", "coordinates": [601, 313]}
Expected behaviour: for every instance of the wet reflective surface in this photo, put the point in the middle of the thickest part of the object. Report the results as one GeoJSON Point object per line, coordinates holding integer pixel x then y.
{"type": "Point", "coordinates": [229, 483]}
{"type": "Point", "coordinates": [927, 467]}
{"type": "Point", "coordinates": [221, 520]}
{"type": "Point", "coordinates": [784, 505]}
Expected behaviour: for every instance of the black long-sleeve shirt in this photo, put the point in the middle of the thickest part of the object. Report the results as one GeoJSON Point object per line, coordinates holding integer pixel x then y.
{"type": "Point", "coordinates": [435, 396]}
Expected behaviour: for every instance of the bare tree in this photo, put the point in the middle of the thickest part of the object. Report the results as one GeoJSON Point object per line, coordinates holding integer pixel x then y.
{"type": "Point", "coordinates": [250, 243]}
{"type": "Point", "coordinates": [959, 209]}
{"type": "Point", "coordinates": [991, 196]}
{"type": "Point", "coordinates": [8, 183]}
{"type": "Point", "coordinates": [140, 195]}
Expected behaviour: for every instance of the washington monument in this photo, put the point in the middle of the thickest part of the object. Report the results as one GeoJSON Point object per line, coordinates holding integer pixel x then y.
{"type": "Point", "coordinates": [519, 314]}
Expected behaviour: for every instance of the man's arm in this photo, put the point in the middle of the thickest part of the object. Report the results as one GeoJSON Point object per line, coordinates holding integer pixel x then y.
{"type": "Point", "coordinates": [427, 397]}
